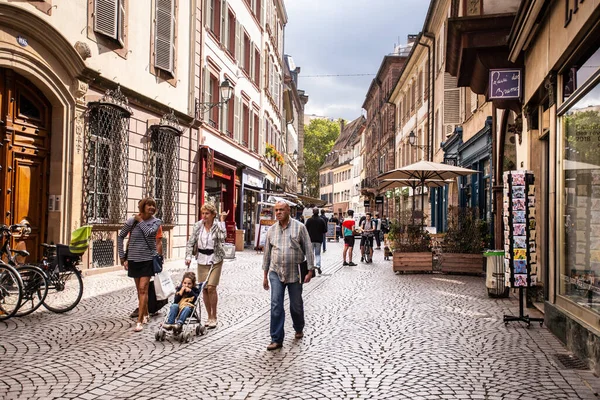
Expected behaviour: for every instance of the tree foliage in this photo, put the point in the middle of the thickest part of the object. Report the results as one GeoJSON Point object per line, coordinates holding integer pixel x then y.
{"type": "Point", "coordinates": [319, 137]}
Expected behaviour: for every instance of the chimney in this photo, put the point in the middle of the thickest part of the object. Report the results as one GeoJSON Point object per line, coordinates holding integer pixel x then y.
{"type": "Point", "coordinates": [411, 39]}
{"type": "Point", "coordinates": [342, 124]}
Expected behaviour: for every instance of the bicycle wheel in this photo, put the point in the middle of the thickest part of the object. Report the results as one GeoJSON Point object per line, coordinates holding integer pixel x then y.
{"type": "Point", "coordinates": [35, 289]}
{"type": "Point", "coordinates": [64, 290]}
{"type": "Point", "coordinates": [11, 291]}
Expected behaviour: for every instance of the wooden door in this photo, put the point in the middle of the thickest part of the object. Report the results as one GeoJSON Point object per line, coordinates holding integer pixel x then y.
{"type": "Point", "coordinates": [25, 136]}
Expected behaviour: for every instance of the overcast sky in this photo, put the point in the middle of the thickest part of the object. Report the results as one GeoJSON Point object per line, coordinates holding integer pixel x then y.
{"type": "Point", "coordinates": [338, 37]}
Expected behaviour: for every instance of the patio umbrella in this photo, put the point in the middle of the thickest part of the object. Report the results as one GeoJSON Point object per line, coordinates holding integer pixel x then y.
{"type": "Point", "coordinates": [387, 184]}
{"type": "Point", "coordinates": [424, 171]}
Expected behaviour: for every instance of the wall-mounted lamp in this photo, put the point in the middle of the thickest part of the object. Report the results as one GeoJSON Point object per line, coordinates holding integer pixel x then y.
{"type": "Point", "coordinates": [412, 138]}
{"type": "Point", "coordinates": [226, 92]}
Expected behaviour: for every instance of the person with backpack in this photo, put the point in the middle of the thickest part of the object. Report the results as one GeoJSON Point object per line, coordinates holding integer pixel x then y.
{"type": "Point", "coordinates": [326, 220]}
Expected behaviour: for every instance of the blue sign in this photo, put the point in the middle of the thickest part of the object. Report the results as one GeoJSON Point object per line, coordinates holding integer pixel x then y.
{"type": "Point", "coordinates": [505, 84]}
{"type": "Point", "coordinates": [22, 41]}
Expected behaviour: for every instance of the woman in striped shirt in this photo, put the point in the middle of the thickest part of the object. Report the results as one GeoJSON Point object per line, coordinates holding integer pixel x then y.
{"type": "Point", "coordinates": [144, 232]}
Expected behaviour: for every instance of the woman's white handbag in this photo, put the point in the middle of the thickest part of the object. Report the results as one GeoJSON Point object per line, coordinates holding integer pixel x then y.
{"type": "Point", "coordinates": [163, 285]}
{"type": "Point", "coordinates": [229, 251]}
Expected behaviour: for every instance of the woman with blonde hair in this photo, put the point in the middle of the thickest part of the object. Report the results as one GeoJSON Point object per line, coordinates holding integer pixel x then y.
{"type": "Point", "coordinates": [145, 232]}
{"type": "Point", "coordinates": [208, 236]}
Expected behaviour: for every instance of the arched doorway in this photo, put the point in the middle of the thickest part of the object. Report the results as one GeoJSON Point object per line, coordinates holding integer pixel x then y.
{"type": "Point", "coordinates": [25, 137]}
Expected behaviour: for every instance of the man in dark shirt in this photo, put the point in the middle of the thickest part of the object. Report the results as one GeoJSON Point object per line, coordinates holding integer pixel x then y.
{"type": "Point", "coordinates": [316, 228]}
{"type": "Point", "coordinates": [324, 218]}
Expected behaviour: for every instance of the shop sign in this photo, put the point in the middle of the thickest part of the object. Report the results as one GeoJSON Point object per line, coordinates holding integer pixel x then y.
{"type": "Point", "coordinates": [367, 203]}
{"type": "Point", "coordinates": [378, 199]}
{"type": "Point", "coordinates": [210, 163]}
{"type": "Point", "coordinates": [252, 180]}
{"type": "Point", "coordinates": [505, 84]}
{"type": "Point", "coordinates": [451, 160]}
{"type": "Point", "coordinates": [230, 228]}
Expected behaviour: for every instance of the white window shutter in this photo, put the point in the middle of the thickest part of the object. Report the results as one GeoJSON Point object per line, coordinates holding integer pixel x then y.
{"type": "Point", "coordinates": [106, 17]}
{"type": "Point", "coordinates": [208, 13]}
{"type": "Point", "coordinates": [236, 119]}
{"type": "Point", "coordinates": [224, 22]}
{"type": "Point", "coordinates": [251, 66]}
{"type": "Point", "coordinates": [262, 72]}
{"type": "Point", "coordinates": [164, 44]}
{"type": "Point", "coordinates": [207, 94]}
{"type": "Point", "coordinates": [223, 116]}
{"type": "Point", "coordinates": [121, 24]}
{"type": "Point", "coordinates": [238, 43]}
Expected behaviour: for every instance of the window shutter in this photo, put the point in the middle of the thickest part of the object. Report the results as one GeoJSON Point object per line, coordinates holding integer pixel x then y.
{"type": "Point", "coordinates": [236, 119]}
{"type": "Point", "coordinates": [261, 79]}
{"type": "Point", "coordinates": [224, 114]}
{"type": "Point", "coordinates": [251, 66]}
{"type": "Point", "coordinates": [238, 43]}
{"type": "Point", "coordinates": [121, 29]}
{"type": "Point", "coordinates": [474, 104]}
{"type": "Point", "coordinates": [164, 45]}
{"type": "Point", "coordinates": [208, 13]}
{"type": "Point", "coordinates": [207, 94]}
{"type": "Point", "coordinates": [105, 17]}
{"type": "Point", "coordinates": [451, 103]}
{"type": "Point", "coordinates": [224, 23]}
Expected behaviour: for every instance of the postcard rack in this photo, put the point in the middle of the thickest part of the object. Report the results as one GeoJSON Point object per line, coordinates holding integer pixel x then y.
{"type": "Point", "coordinates": [520, 258]}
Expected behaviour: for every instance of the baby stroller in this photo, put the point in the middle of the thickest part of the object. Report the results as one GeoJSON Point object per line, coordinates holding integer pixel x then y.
{"type": "Point", "coordinates": [192, 325]}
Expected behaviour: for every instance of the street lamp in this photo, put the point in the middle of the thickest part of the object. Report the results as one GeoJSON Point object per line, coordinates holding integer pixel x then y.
{"type": "Point", "coordinates": [295, 155]}
{"type": "Point", "coordinates": [225, 91]}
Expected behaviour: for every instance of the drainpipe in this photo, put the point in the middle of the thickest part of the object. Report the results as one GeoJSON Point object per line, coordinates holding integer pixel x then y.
{"type": "Point", "coordinates": [431, 36]}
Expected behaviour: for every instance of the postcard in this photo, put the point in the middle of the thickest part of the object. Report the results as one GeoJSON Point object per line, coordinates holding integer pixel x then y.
{"type": "Point", "coordinates": [519, 217]}
{"type": "Point", "coordinates": [518, 179]}
{"type": "Point", "coordinates": [532, 224]}
{"type": "Point", "coordinates": [518, 204]}
{"type": "Point", "coordinates": [519, 242]}
{"type": "Point", "coordinates": [531, 201]}
{"type": "Point", "coordinates": [532, 246]}
{"type": "Point", "coordinates": [505, 220]}
{"type": "Point", "coordinates": [518, 192]}
{"type": "Point", "coordinates": [520, 254]}
{"type": "Point", "coordinates": [519, 229]}
{"type": "Point", "coordinates": [520, 266]}
{"type": "Point", "coordinates": [520, 280]}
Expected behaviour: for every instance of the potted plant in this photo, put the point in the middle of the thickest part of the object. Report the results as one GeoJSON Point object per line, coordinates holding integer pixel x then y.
{"type": "Point", "coordinates": [464, 242]}
{"type": "Point", "coordinates": [411, 246]}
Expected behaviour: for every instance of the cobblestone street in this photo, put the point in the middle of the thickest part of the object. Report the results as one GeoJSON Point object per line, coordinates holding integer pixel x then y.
{"type": "Point", "coordinates": [369, 334]}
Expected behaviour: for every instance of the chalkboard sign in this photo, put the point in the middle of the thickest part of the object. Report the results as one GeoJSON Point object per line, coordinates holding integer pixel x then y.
{"type": "Point", "coordinates": [505, 84]}
{"type": "Point", "coordinates": [261, 232]}
{"type": "Point", "coordinates": [331, 232]}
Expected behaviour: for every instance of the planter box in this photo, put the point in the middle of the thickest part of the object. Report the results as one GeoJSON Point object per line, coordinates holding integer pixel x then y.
{"type": "Point", "coordinates": [412, 262]}
{"type": "Point", "coordinates": [462, 263]}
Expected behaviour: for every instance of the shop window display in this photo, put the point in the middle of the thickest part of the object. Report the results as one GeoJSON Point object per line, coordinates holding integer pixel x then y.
{"type": "Point", "coordinates": [580, 276]}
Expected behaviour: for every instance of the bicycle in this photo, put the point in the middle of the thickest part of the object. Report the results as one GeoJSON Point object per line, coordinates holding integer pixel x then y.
{"type": "Point", "coordinates": [34, 282]}
{"type": "Point", "coordinates": [65, 283]}
{"type": "Point", "coordinates": [11, 291]}
{"type": "Point", "coordinates": [368, 249]}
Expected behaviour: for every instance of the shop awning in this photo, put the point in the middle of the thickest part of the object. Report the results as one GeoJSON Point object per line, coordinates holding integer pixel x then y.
{"type": "Point", "coordinates": [311, 200]}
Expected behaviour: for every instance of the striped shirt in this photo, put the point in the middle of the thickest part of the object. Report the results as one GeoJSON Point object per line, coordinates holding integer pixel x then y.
{"type": "Point", "coordinates": [285, 248]}
{"type": "Point", "coordinates": [142, 240]}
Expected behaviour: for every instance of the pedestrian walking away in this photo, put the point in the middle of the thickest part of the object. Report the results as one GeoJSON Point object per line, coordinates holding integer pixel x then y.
{"type": "Point", "coordinates": [377, 222]}
{"type": "Point", "coordinates": [368, 229]}
{"type": "Point", "coordinates": [145, 233]}
{"type": "Point", "coordinates": [186, 295]}
{"type": "Point", "coordinates": [287, 244]}
{"type": "Point", "coordinates": [316, 228]}
{"type": "Point", "coordinates": [326, 220]}
{"type": "Point", "coordinates": [348, 232]}
{"type": "Point", "coordinates": [206, 243]}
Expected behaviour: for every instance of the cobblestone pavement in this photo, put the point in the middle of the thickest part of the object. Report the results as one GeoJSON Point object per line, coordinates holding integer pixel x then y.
{"type": "Point", "coordinates": [369, 334]}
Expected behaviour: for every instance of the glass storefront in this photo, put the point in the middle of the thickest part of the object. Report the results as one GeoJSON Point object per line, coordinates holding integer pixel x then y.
{"type": "Point", "coordinates": [580, 274]}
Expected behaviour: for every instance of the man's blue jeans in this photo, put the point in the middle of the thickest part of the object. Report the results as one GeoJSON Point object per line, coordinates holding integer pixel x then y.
{"type": "Point", "coordinates": [277, 311]}
{"type": "Point", "coordinates": [324, 242]}
{"type": "Point", "coordinates": [317, 250]}
{"type": "Point", "coordinates": [174, 310]}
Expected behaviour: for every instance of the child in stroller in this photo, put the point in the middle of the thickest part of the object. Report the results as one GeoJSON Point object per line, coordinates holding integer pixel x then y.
{"type": "Point", "coordinates": [184, 303]}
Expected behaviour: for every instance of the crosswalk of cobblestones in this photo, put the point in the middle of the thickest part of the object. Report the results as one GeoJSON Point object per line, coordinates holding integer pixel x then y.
{"type": "Point", "coordinates": [369, 334]}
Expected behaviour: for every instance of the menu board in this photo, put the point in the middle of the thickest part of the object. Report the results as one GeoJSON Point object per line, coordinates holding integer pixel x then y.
{"type": "Point", "coordinates": [520, 258]}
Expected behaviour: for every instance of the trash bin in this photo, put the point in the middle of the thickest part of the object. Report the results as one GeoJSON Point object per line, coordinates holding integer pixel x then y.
{"type": "Point", "coordinates": [239, 239]}
{"type": "Point", "coordinates": [494, 274]}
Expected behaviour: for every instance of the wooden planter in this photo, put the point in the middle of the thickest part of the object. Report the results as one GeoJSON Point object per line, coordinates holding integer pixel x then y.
{"type": "Point", "coordinates": [462, 263]}
{"type": "Point", "coordinates": [412, 262]}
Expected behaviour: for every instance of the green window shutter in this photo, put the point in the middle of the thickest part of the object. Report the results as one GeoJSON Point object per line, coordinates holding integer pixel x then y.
{"type": "Point", "coordinates": [105, 17]}
{"type": "Point", "coordinates": [164, 39]}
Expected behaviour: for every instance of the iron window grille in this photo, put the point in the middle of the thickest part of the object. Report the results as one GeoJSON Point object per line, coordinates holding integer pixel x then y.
{"type": "Point", "coordinates": [106, 159]}
{"type": "Point", "coordinates": [162, 167]}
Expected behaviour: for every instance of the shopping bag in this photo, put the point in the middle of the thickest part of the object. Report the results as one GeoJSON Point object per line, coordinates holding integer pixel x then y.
{"type": "Point", "coordinates": [163, 285]}
{"type": "Point", "coordinates": [154, 305]}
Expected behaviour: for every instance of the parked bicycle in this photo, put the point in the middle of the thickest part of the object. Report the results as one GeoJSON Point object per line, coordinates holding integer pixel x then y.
{"type": "Point", "coordinates": [11, 291]}
{"type": "Point", "coordinates": [34, 282]}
